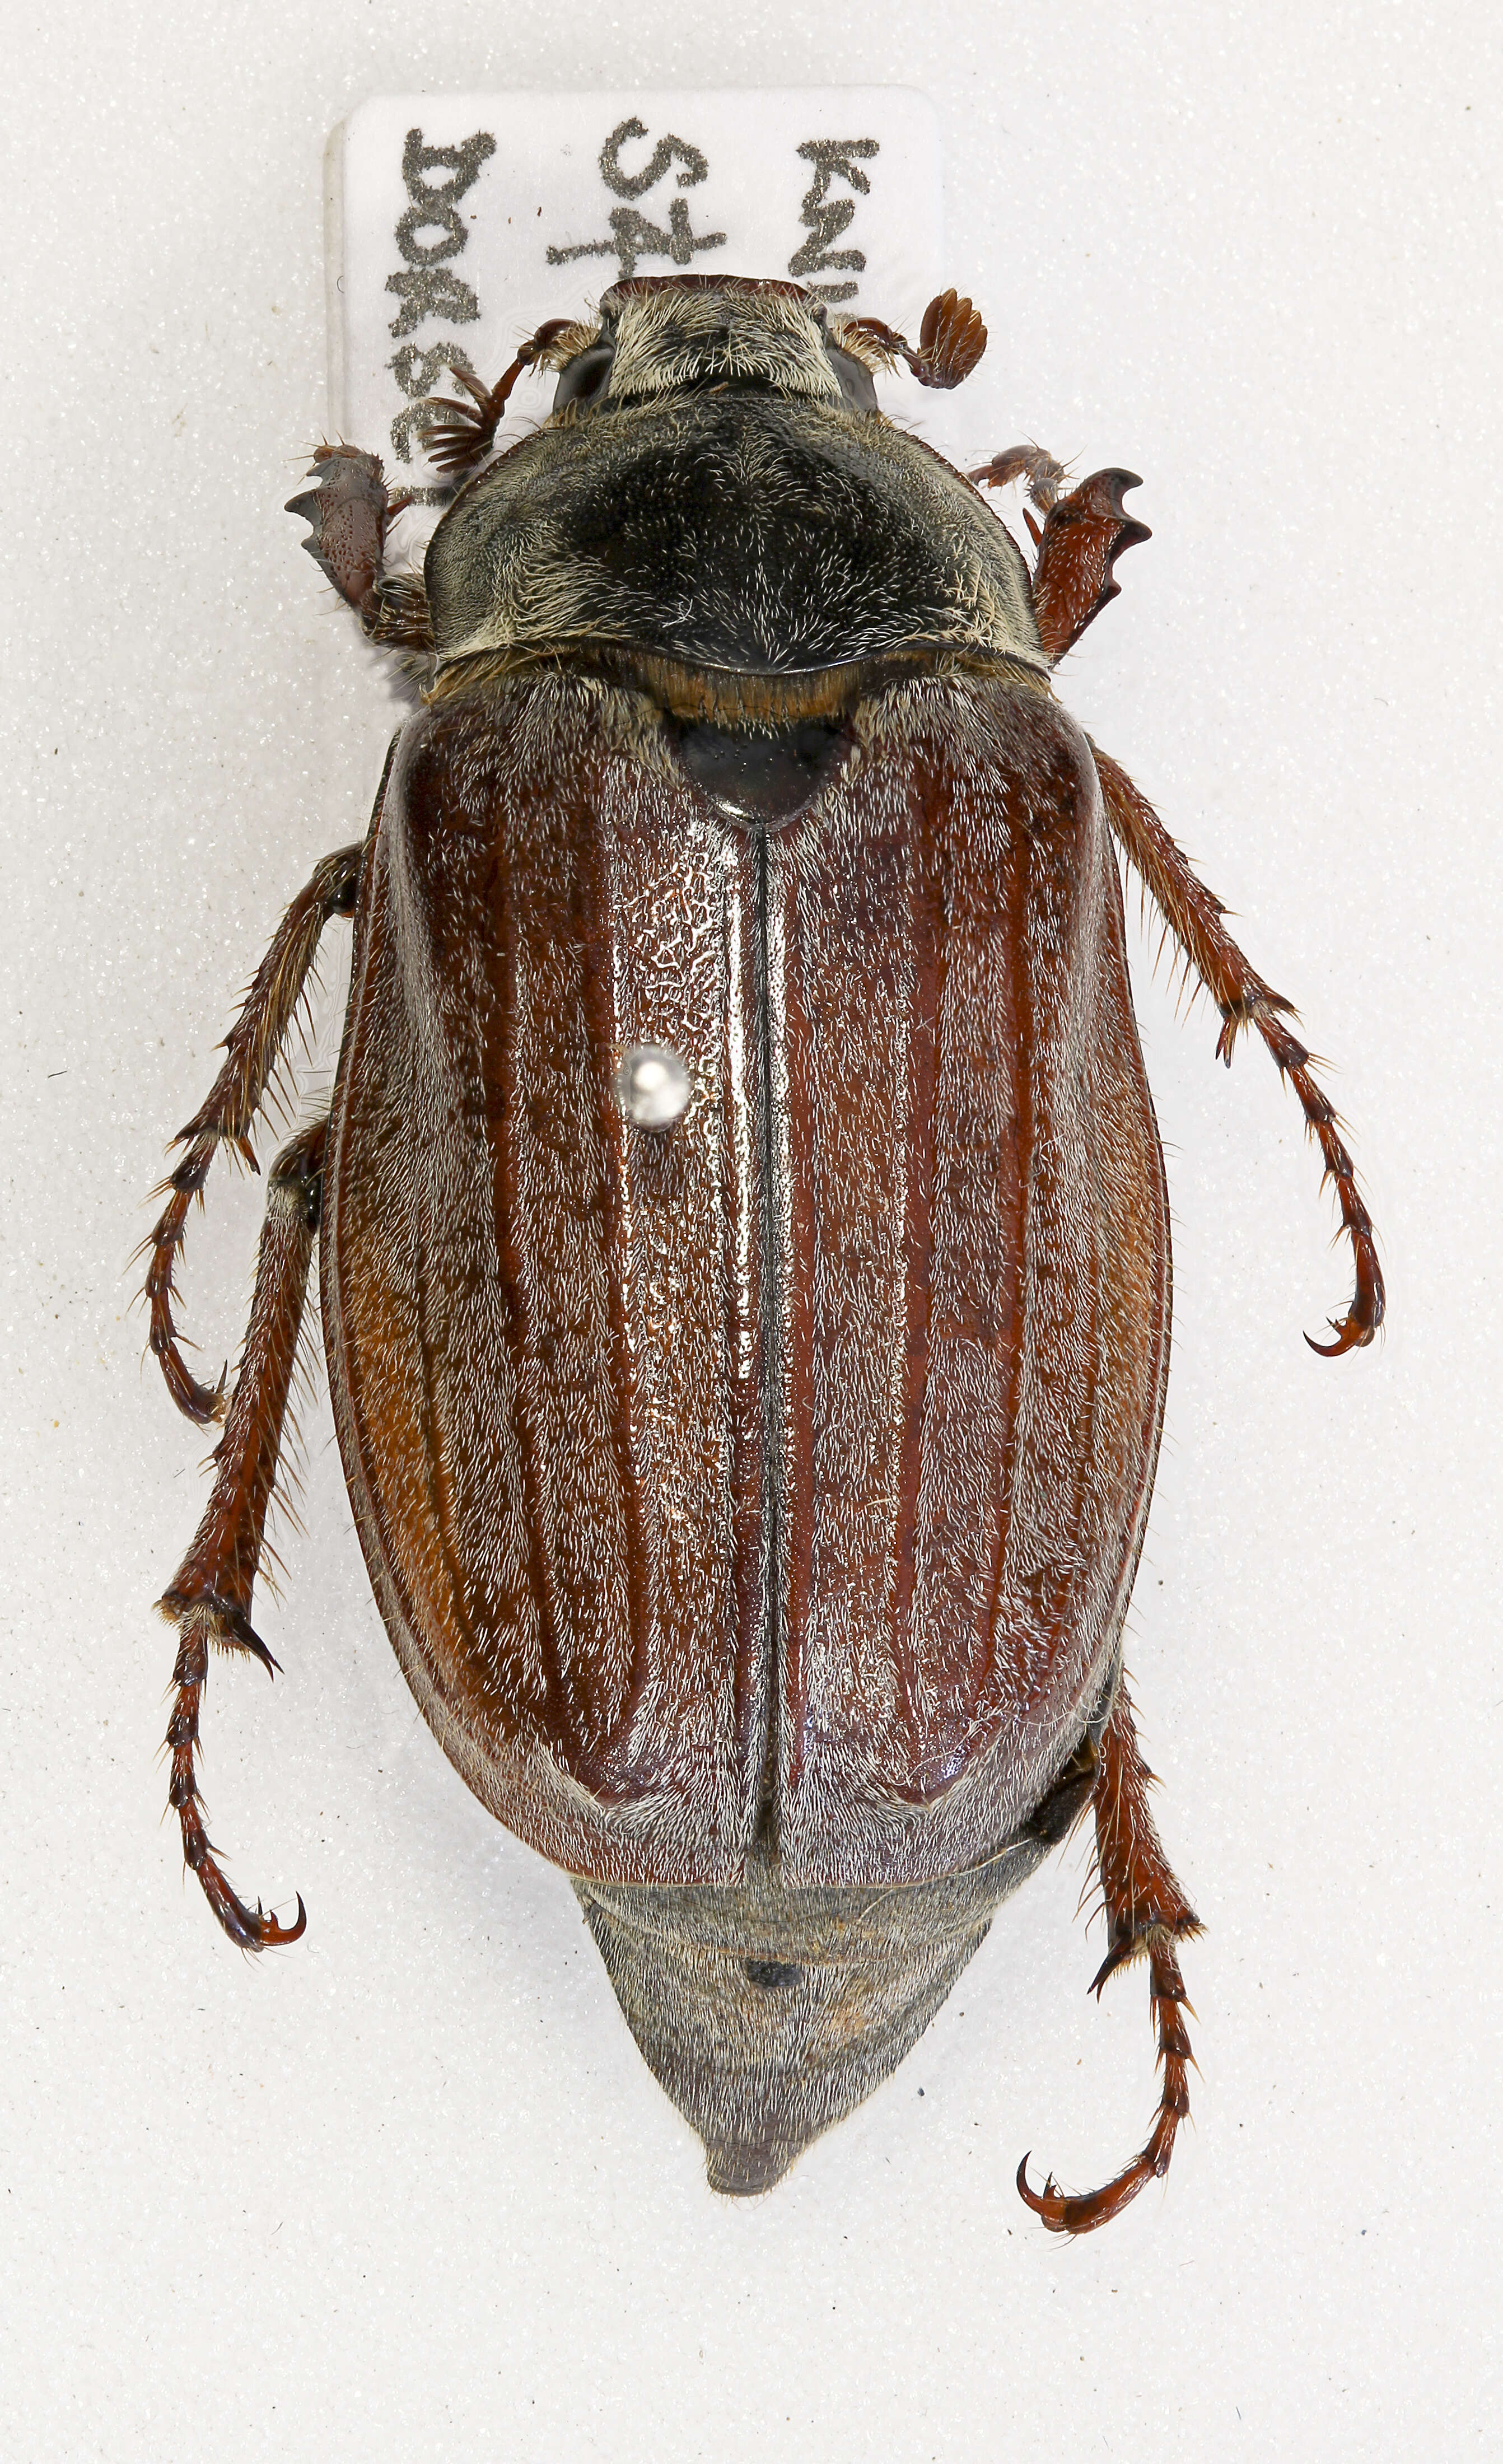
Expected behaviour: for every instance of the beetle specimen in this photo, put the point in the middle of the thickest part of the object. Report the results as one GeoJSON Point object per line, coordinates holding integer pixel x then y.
{"type": "Point", "coordinates": [743, 1236]}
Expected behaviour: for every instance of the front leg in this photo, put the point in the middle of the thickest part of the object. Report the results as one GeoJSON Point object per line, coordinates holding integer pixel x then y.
{"type": "Point", "coordinates": [1082, 538]}
{"type": "Point", "coordinates": [349, 512]}
{"type": "Point", "coordinates": [209, 1598]}
{"type": "Point", "coordinates": [1031, 462]}
{"type": "Point", "coordinates": [1193, 915]}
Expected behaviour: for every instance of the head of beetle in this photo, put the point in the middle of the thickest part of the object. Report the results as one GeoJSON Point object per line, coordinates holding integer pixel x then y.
{"type": "Point", "coordinates": [752, 1141]}
{"type": "Point", "coordinates": [677, 335]}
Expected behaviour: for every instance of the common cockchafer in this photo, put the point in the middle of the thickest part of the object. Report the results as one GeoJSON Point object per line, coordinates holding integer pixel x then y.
{"type": "Point", "coordinates": [741, 1226]}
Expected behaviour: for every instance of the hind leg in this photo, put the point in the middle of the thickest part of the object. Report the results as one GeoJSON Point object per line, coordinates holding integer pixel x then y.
{"type": "Point", "coordinates": [1147, 1914]}
{"type": "Point", "coordinates": [209, 1598]}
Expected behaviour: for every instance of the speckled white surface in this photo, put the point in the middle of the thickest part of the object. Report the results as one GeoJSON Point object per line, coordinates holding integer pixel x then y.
{"type": "Point", "coordinates": [406, 2190]}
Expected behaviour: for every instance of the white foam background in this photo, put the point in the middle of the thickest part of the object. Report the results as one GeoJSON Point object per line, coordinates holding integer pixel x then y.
{"type": "Point", "coordinates": [406, 2190]}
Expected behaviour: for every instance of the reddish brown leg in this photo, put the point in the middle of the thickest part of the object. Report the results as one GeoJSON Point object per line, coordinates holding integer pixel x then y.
{"type": "Point", "coordinates": [1193, 915]}
{"type": "Point", "coordinates": [210, 1596]}
{"type": "Point", "coordinates": [254, 1047]}
{"type": "Point", "coordinates": [349, 513]}
{"type": "Point", "coordinates": [1031, 462]}
{"type": "Point", "coordinates": [1147, 1913]}
{"type": "Point", "coordinates": [1082, 538]}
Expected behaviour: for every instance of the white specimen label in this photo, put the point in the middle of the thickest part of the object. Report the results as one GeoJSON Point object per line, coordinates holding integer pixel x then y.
{"type": "Point", "coordinates": [459, 223]}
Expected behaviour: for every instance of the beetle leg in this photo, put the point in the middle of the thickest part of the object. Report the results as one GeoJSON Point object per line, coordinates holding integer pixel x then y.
{"type": "Point", "coordinates": [1082, 538]}
{"type": "Point", "coordinates": [1147, 1913]}
{"type": "Point", "coordinates": [1031, 462]}
{"type": "Point", "coordinates": [210, 1596]}
{"type": "Point", "coordinates": [254, 1047]}
{"type": "Point", "coordinates": [1193, 915]}
{"type": "Point", "coordinates": [348, 512]}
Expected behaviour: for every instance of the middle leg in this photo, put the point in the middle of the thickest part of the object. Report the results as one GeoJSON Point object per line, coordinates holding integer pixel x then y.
{"type": "Point", "coordinates": [1193, 915]}
{"type": "Point", "coordinates": [253, 1048]}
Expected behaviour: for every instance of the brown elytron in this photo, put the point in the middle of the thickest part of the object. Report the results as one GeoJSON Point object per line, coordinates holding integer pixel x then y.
{"type": "Point", "coordinates": [753, 1500]}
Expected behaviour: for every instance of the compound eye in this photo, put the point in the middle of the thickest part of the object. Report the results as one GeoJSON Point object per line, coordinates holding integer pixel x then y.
{"type": "Point", "coordinates": [856, 381]}
{"type": "Point", "coordinates": [585, 377]}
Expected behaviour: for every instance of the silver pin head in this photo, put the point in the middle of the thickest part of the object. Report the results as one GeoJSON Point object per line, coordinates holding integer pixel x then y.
{"type": "Point", "coordinates": [652, 1086]}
